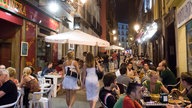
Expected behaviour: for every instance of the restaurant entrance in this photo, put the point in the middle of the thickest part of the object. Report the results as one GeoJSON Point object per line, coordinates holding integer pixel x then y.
{"type": "Point", "coordinates": [5, 56]}
{"type": "Point", "coordinates": [9, 43]}
{"type": "Point", "coordinates": [171, 52]}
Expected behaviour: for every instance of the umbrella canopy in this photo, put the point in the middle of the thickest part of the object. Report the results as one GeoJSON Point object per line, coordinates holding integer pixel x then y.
{"type": "Point", "coordinates": [76, 37]}
{"type": "Point", "coordinates": [114, 47]}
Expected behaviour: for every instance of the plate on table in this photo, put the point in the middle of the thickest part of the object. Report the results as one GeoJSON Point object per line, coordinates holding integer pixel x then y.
{"type": "Point", "coordinates": [176, 101]}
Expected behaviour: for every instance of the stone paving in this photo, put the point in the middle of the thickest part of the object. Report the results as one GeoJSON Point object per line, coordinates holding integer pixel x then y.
{"type": "Point", "coordinates": [81, 102]}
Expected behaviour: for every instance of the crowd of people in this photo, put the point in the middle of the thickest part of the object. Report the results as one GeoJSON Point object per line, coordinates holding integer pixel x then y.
{"type": "Point", "coordinates": [135, 74]}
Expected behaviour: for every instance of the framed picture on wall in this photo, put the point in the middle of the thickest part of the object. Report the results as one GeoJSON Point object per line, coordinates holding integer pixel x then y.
{"type": "Point", "coordinates": [24, 48]}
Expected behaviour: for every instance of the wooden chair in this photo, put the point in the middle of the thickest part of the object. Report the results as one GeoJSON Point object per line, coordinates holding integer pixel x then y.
{"type": "Point", "coordinates": [14, 104]}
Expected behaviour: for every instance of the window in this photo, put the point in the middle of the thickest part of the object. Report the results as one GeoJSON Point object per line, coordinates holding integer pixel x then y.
{"type": "Point", "coordinates": [122, 39]}
{"type": "Point", "coordinates": [122, 26]}
{"type": "Point", "coordinates": [122, 33]}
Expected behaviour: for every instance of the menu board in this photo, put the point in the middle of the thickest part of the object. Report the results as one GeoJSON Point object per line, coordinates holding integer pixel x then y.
{"type": "Point", "coordinates": [189, 45]}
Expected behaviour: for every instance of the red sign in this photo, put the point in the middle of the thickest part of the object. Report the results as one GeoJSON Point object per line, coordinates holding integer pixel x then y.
{"type": "Point", "coordinates": [24, 10]}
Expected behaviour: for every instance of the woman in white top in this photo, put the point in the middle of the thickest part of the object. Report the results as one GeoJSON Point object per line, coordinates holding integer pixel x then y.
{"type": "Point", "coordinates": [91, 80]}
{"type": "Point", "coordinates": [71, 69]}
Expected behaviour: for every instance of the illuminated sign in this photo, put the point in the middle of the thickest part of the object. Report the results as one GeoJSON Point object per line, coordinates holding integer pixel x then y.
{"type": "Point", "coordinates": [30, 13]}
{"type": "Point", "coordinates": [13, 6]}
{"type": "Point", "coordinates": [147, 5]}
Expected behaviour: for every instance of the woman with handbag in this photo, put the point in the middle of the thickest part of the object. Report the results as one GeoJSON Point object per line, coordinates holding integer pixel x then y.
{"type": "Point", "coordinates": [71, 70]}
{"type": "Point", "coordinates": [91, 79]}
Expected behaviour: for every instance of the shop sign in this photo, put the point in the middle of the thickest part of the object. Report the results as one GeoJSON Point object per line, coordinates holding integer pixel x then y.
{"type": "Point", "coordinates": [14, 6]}
{"type": "Point", "coordinates": [30, 13]}
{"type": "Point", "coordinates": [184, 13]}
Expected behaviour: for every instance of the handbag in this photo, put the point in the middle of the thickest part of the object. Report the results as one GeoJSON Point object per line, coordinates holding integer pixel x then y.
{"type": "Point", "coordinates": [99, 74]}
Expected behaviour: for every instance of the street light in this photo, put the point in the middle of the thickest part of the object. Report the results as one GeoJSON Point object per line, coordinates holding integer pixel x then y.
{"type": "Point", "coordinates": [136, 27]}
{"type": "Point", "coordinates": [53, 6]}
{"type": "Point", "coordinates": [119, 44]}
{"type": "Point", "coordinates": [114, 38]}
{"type": "Point", "coordinates": [114, 32]}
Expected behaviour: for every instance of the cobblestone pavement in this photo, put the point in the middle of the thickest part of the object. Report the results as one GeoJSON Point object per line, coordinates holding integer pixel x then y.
{"type": "Point", "coordinates": [81, 102]}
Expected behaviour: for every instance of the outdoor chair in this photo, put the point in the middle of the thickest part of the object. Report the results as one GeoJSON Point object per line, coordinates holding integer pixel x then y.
{"type": "Point", "coordinates": [44, 101]}
{"type": "Point", "coordinates": [14, 104]}
{"type": "Point", "coordinates": [170, 87]}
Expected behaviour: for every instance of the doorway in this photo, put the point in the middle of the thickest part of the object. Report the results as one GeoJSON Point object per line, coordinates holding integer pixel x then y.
{"type": "Point", "coordinates": [5, 56]}
{"type": "Point", "coordinates": [171, 48]}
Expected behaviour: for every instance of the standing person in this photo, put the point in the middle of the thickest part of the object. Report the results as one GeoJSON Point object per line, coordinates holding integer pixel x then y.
{"type": "Point", "coordinates": [109, 93]}
{"type": "Point", "coordinates": [8, 90]}
{"type": "Point", "coordinates": [71, 69]}
{"type": "Point", "coordinates": [91, 80]}
{"type": "Point", "coordinates": [167, 76]}
{"type": "Point", "coordinates": [106, 62]}
{"type": "Point", "coordinates": [134, 93]}
{"type": "Point", "coordinates": [118, 59]}
{"type": "Point", "coordinates": [114, 58]}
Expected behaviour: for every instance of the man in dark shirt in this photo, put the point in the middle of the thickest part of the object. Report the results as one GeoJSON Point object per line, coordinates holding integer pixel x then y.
{"type": "Point", "coordinates": [108, 94]}
{"type": "Point", "coordinates": [168, 77]}
{"type": "Point", "coordinates": [8, 90]}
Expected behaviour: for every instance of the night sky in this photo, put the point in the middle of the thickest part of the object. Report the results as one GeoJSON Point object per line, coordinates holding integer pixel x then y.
{"type": "Point", "coordinates": [127, 10]}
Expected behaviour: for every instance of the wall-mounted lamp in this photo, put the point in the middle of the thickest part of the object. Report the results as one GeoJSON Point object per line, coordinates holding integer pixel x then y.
{"type": "Point", "coordinates": [53, 6]}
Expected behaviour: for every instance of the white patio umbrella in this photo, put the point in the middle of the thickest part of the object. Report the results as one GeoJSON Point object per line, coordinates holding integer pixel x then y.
{"type": "Point", "coordinates": [114, 47]}
{"type": "Point", "coordinates": [77, 37]}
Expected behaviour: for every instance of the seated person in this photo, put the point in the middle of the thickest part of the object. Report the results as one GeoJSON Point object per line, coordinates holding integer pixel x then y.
{"type": "Point", "coordinates": [108, 93]}
{"type": "Point", "coordinates": [153, 85]}
{"type": "Point", "coordinates": [12, 75]}
{"type": "Point", "coordinates": [2, 67]}
{"type": "Point", "coordinates": [186, 81]}
{"type": "Point", "coordinates": [48, 69]}
{"type": "Point", "coordinates": [123, 78]}
{"type": "Point", "coordinates": [131, 73]}
{"type": "Point", "coordinates": [8, 90]}
{"type": "Point", "coordinates": [59, 67]}
{"type": "Point", "coordinates": [30, 85]}
{"type": "Point", "coordinates": [33, 73]}
{"type": "Point", "coordinates": [117, 73]}
{"type": "Point", "coordinates": [134, 93]}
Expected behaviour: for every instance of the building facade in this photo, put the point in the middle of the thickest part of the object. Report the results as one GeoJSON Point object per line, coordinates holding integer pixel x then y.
{"type": "Point", "coordinates": [123, 34]}
{"type": "Point", "coordinates": [172, 43]}
{"type": "Point", "coordinates": [25, 24]}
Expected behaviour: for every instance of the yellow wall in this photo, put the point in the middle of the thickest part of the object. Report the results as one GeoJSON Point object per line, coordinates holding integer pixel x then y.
{"type": "Point", "coordinates": [181, 49]}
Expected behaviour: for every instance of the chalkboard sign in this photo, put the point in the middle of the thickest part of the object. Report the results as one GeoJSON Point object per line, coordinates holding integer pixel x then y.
{"type": "Point", "coordinates": [24, 48]}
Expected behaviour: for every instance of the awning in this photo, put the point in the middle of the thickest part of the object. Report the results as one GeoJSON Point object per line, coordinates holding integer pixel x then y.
{"type": "Point", "coordinates": [114, 47]}
{"type": "Point", "coordinates": [77, 37]}
{"type": "Point", "coordinates": [148, 32]}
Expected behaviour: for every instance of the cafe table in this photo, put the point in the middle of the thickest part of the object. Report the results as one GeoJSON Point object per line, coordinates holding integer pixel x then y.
{"type": "Point", "coordinates": [153, 104]}
{"type": "Point", "coordinates": [55, 82]}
